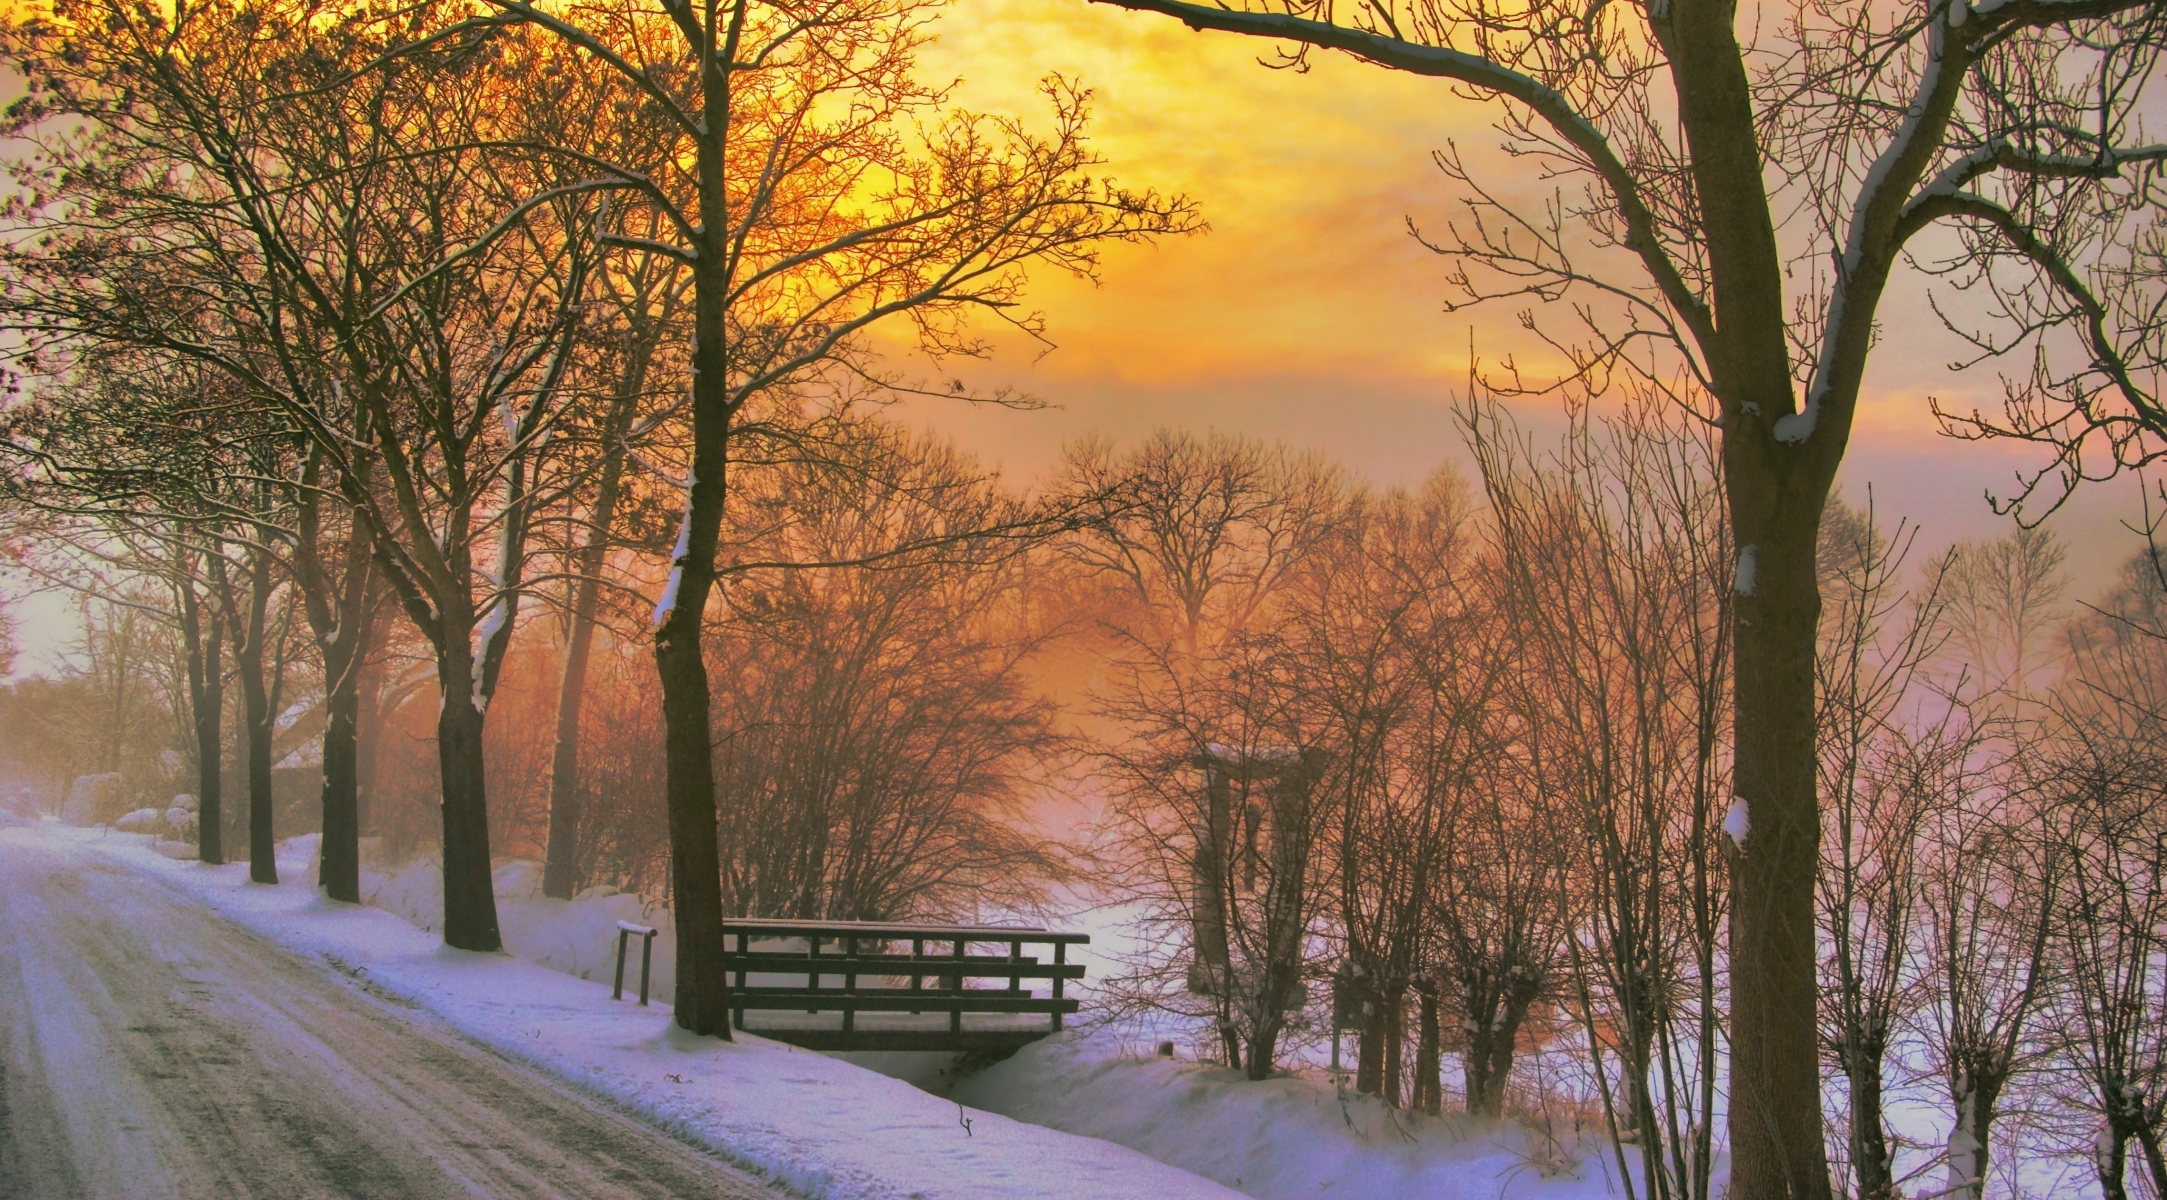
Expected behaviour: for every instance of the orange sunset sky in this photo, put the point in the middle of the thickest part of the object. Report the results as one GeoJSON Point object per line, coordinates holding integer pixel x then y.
{"type": "Point", "coordinates": [1308, 314]}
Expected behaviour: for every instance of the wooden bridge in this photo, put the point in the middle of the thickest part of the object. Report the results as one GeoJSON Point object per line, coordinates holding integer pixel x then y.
{"type": "Point", "coordinates": [850, 985]}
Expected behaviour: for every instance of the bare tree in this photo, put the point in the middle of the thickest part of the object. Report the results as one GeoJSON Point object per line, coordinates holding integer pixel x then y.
{"type": "Point", "coordinates": [812, 187]}
{"type": "Point", "coordinates": [1988, 882]}
{"type": "Point", "coordinates": [1615, 557]}
{"type": "Point", "coordinates": [645, 299]}
{"type": "Point", "coordinates": [1988, 892]}
{"type": "Point", "coordinates": [1218, 765]}
{"type": "Point", "coordinates": [1200, 532]}
{"type": "Point", "coordinates": [2006, 601]}
{"type": "Point", "coordinates": [1220, 818]}
{"type": "Point", "coordinates": [247, 591]}
{"type": "Point", "coordinates": [1502, 918]}
{"type": "Point", "coordinates": [2113, 902]}
{"type": "Point", "coordinates": [2103, 801]}
{"type": "Point", "coordinates": [1746, 188]}
{"type": "Point", "coordinates": [333, 239]}
{"type": "Point", "coordinates": [1875, 639]}
{"type": "Point", "coordinates": [212, 480]}
{"type": "Point", "coordinates": [203, 633]}
{"type": "Point", "coordinates": [876, 737]}
{"type": "Point", "coordinates": [77, 473]}
{"type": "Point", "coordinates": [1389, 619]}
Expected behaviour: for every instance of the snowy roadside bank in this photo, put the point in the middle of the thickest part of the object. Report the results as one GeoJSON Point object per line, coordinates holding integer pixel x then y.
{"type": "Point", "coordinates": [1289, 1138]}
{"type": "Point", "coordinates": [822, 1127]}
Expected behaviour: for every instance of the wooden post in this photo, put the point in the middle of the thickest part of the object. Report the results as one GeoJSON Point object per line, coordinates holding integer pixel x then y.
{"type": "Point", "coordinates": [917, 965]}
{"type": "Point", "coordinates": [812, 977]}
{"type": "Point", "coordinates": [744, 946]}
{"type": "Point", "coordinates": [955, 1015]}
{"type": "Point", "coordinates": [618, 992]}
{"type": "Point", "coordinates": [647, 962]}
{"type": "Point", "coordinates": [850, 992]}
{"type": "Point", "coordinates": [1060, 958]}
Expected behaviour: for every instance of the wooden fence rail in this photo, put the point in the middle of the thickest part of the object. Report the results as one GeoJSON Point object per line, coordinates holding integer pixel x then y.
{"type": "Point", "coordinates": [873, 974]}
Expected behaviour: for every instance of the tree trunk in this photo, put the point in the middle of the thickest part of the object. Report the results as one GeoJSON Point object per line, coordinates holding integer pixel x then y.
{"type": "Point", "coordinates": [211, 761]}
{"type": "Point", "coordinates": [1282, 984]}
{"type": "Point", "coordinates": [204, 639]}
{"type": "Point", "coordinates": [1263, 1048]}
{"type": "Point", "coordinates": [1774, 492]}
{"type": "Point", "coordinates": [470, 902]}
{"type": "Point", "coordinates": [1478, 1064]}
{"type": "Point", "coordinates": [1429, 1051]}
{"type": "Point", "coordinates": [1503, 1047]}
{"type": "Point", "coordinates": [369, 716]}
{"type": "Point", "coordinates": [1775, 1115]}
{"type": "Point", "coordinates": [2111, 1160]}
{"type": "Point", "coordinates": [257, 719]}
{"type": "Point", "coordinates": [703, 990]}
{"type": "Point", "coordinates": [1869, 1134]}
{"type": "Point", "coordinates": [1978, 1110]}
{"type": "Point", "coordinates": [560, 866]}
{"type": "Point", "coordinates": [2154, 1160]}
{"type": "Point", "coordinates": [1208, 936]}
{"type": "Point", "coordinates": [339, 870]}
{"type": "Point", "coordinates": [1395, 1041]}
{"type": "Point", "coordinates": [1369, 1046]}
{"type": "Point", "coordinates": [341, 620]}
{"type": "Point", "coordinates": [567, 803]}
{"type": "Point", "coordinates": [1490, 1045]}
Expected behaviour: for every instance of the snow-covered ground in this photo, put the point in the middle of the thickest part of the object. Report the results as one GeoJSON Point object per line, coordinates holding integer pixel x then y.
{"type": "Point", "coordinates": [577, 937]}
{"type": "Point", "coordinates": [1293, 1137]}
{"type": "Point", "coordinates": [831, 1129]}
{"type": "Point", "coordinates": [152, 1048]}
{"type": "Point", "coordinates": [822, 1127]}
{"type": "Point", "coordinates": [1299, 1135]}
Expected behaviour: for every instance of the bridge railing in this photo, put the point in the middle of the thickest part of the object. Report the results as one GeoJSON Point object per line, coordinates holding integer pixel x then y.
{"type": "Point", "coordinates": [852, 985]}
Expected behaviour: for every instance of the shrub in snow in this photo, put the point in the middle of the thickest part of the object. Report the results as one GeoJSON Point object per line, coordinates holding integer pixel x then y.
{"type": "Point", "coordinates": [95, 799]}
{"type": "Point", "coordinates": [142, 820]}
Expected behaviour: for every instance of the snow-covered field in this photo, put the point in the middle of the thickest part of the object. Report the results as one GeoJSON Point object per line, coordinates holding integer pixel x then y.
{"type": "Point", "coordinates": [822, 1127]}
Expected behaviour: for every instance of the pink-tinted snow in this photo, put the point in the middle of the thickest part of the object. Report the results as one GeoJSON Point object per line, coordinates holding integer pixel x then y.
{"type": "Point", "coordinates": [820, 1126]}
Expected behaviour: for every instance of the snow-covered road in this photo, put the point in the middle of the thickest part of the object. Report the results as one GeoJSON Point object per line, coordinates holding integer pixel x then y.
{"type": "Point", "coordinates": [150, 1049]}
